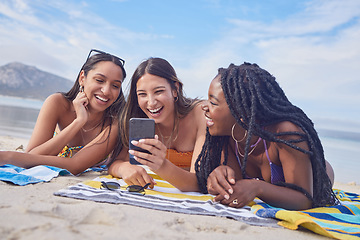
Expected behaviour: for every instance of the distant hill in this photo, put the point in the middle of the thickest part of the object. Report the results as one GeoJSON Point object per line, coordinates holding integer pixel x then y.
{"type": "Point", "coordinates": [20, 80]}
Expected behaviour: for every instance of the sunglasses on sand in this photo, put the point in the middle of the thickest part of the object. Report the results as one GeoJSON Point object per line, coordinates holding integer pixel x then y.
{"type": "Point", "coordinates": [95, 51]}
{"type": "Point", "coordinates": [112, 186]}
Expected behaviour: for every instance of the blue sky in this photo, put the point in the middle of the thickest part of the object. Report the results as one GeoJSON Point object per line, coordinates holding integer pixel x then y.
{"type": "Point", "coordinates": [311, 47]}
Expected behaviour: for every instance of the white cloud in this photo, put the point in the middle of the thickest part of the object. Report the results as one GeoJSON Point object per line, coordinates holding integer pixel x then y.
{"type": "Point", "coordinates": [57, 35]}
{"type": "Point", "coordinates": [313, 54]}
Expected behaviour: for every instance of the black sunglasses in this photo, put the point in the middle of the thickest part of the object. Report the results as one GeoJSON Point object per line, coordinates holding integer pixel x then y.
{"type": "Point", "coordinates": [122, 61]}
{"type": "Point", "coordinates": [112, 186]}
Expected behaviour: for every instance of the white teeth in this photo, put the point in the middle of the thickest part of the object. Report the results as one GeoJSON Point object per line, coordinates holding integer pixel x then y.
{"type": "Point", "coordinates": [102, 99]}
{"type": "Point", "coordinates": [154, 110]}
{"type": "Point", "coordinates": [207, 118]}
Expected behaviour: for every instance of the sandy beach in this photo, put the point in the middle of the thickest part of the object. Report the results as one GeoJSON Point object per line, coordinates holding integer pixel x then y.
{"type": "Point", "coordinates": [33, 212]}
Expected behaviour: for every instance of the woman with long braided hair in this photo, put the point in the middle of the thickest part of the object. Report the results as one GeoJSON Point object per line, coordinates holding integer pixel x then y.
{"type": "Point", "coordinates": [258, 144]}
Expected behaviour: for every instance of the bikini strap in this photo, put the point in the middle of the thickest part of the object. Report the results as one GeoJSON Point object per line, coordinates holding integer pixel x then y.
{"type": "Point", "coordinates": [266, 151]}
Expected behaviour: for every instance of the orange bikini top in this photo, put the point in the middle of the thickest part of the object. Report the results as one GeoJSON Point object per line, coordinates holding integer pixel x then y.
{"type": "Point", "coordinates": [180, 159]}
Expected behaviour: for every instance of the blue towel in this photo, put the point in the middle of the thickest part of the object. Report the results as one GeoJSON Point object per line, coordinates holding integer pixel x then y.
{"type": "Point", "coordinates": [22, 176]}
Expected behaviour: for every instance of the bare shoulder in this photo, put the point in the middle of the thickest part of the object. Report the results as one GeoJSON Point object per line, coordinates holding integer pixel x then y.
{"type": "Point", "coordinates": [195, 113]}
{"type": "Point", "coordinates": [194, 122]}
{"type": "Point", "coordinates": [56, 98]}
{"type": "Point", "coordinates": [58, 101]}
{"type": "Point", "coordinates": [198, 112]}
{"type": "Point", "coordinates": [198, 116]}
{"type": "Point", "coordinates": [200, 120]}
{"type": "Point", "coordinates": [286, 126]}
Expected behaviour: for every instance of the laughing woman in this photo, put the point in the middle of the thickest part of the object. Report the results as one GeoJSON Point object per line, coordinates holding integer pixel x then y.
{"type": "Point", "coordinates": [157, 93]}
{"type": "Point", "coordinates": [84, 120]}
{"type": "Point", "coordinates": [260, 145]}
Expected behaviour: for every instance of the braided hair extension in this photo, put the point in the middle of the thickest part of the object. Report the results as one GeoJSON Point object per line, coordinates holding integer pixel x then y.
{"type": "Point", "coordinates": [211, 150]}
{"type": "Point", "coordinates": [254, 96]}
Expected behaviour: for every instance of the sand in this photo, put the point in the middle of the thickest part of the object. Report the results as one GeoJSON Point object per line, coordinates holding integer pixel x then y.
{"type": "Point", "coordinates": [33, 212]}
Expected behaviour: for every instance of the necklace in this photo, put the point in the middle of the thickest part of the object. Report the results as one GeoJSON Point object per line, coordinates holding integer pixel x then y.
{"type": "Point", "coordinates": [168, 142]}
{"type": "Point", "coordinates": [251, 151]}
{"type": "Point", "coordinates": [82, 136]}
{"type": "Point", "coordinates": [88, 130]}
{"type": "Point", "coordinates": [232, 134]}
{"type": "Point", "coordinates": [170, 138]}
{"type": "Point", "coordinates": [83, 132]}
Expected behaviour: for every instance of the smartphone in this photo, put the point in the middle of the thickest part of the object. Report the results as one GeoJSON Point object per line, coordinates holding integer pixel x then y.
{"type": "Point", "coordinates": [140, 128]}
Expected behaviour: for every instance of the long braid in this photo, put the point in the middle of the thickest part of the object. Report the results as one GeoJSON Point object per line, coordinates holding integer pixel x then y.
{"type": "Point", "coordinates": [254, 96]}
{"type": "Point", "coordinates": [211, 156]}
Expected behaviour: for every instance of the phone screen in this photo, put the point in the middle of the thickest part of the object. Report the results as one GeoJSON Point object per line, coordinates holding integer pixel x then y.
{"type": "Point", "coordinates": [140, 128]}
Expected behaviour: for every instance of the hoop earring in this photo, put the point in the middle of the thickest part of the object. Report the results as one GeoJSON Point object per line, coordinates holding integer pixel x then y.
{"type": "Point", "coordinates": [81, 89]}
{"type": "Point", "coordinates": [232, 134]}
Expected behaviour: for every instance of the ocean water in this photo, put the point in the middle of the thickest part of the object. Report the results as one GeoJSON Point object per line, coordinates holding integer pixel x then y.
{"type": "Point", "coordinates": [18, 116]}
{"type": "Point", "coordinates": [340, 139]}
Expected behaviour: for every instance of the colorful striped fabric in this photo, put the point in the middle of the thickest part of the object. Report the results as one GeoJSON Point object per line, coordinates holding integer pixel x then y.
{"type": "Point", "coordinates": [163, 197]}
{"type": "Point", "coordinates": [339, 222]}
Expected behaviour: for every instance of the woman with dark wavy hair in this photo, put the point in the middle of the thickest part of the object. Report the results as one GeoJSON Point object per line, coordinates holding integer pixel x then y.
{"type": "Point", "coordinates": [85, 119]}
{"type": "Point", "coordinates": [258, 144]}
{"type": "Point", "coordinates": [157, 93]}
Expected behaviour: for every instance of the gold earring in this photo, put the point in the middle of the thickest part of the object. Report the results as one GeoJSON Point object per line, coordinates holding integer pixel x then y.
{"type": "Point", "coordinates": [232, 134]}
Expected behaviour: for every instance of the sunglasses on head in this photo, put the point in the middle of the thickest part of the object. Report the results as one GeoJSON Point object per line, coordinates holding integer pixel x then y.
{"type": "Point", "coordinates": [112, 186]}
{"type": "Point", "coordinates": [95, 51]}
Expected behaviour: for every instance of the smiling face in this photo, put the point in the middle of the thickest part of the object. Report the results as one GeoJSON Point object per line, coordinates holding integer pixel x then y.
{"type": "Point", "coordinates": [156, 98]}
{"type": "Point", "coordinates": [218, 117]}
{"type": "Point", "coordinates": [102, 85]}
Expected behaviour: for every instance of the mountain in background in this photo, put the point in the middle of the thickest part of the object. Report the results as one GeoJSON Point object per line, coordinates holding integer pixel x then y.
{"type": "Point", "coordinates": [20, 80]}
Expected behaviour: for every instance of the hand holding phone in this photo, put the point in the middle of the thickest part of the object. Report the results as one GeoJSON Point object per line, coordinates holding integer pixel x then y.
{"type": "Point", "coordinates": [140, 128]}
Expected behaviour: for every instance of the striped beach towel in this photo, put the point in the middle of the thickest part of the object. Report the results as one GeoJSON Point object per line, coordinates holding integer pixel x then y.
{"type": "Point", "coordinates": [163, 197]}
{"type": "Point", "coordinates": [339, 222]}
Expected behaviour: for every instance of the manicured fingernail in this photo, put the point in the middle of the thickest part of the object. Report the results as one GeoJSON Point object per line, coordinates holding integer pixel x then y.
{"type": "Point", "coordinates": [226, 197]}
{"type": "Point", "coordinates": [231, 191]}
{"type": "Point", "coordinates": [131, 151]}
{"type": "Point", "coordinates": [134, 142]}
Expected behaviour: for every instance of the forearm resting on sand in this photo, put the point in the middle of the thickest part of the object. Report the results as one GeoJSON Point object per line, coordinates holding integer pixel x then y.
{"type": "Point", "coordinates": [55, 144]}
